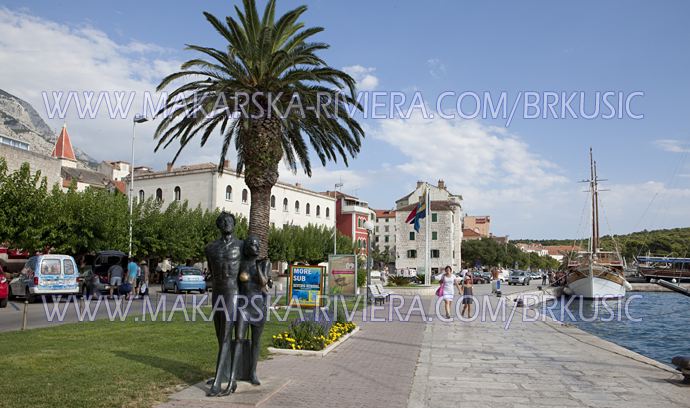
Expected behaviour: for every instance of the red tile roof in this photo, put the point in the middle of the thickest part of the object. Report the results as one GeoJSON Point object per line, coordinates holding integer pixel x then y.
{"type": "Point", "coordinates": [466, 232]}
{"type": "Point", "coordinates": [385, 213]}
{"type": "Point", "coordinates": [63, 146]}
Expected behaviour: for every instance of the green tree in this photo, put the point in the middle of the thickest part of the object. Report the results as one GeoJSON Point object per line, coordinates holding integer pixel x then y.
{"type": "Point", "coordinates": [251, 90]}
{"type": "Point", "coordinates": [23, 207]}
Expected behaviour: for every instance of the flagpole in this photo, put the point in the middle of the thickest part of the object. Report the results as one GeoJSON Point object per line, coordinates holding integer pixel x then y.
{"type": "Point", "coordinates": [427, 270]}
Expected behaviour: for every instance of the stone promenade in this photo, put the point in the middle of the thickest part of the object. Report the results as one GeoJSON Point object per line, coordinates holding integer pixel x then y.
{"type": "Point", "coordinates": [422, 363]}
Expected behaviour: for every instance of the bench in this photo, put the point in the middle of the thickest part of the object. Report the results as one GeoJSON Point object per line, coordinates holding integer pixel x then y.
{"type": "Point", "coordinates": [377, 296]}
{"type": "Point", "coordinates": [385, 293]}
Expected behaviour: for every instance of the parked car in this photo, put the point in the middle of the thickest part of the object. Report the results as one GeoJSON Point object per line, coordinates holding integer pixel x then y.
{"type": "Point", "coordinates": [4, 289]}
{"type": "Point", "coordinates": [99, 265]}
{"type": "Point", "coordinates": [46, 275]}
{"type": "Point", "coordinates": [184, 279]}
{"type": "Point", "coordinates": [519, 278]}
{"type": "Point", "coordinates": [479, 278]}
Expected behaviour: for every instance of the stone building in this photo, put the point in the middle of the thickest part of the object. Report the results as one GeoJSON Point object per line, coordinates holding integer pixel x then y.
{"type": "Point", "coordinates": [445, 218]}
{"type": "Point", "coordinates": [203, 185]}
{"type": "Point", "coordinates": [384, 231]}
{"type": "Point", "coordinates": [481, 224]}
{"type": "Point", "coordinates": [48, 166]}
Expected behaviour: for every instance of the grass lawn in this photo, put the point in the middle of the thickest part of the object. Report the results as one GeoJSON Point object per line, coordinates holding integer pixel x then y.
{"type": "Point", "coordinates": [107, 364]}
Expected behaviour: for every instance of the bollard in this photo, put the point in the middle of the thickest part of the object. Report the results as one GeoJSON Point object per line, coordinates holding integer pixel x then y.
{"type": "Point", "coordinates": [24, 317]}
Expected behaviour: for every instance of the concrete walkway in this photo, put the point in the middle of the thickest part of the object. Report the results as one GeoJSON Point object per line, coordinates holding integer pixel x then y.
{"type": "Point", "coordinates": [422, 363]}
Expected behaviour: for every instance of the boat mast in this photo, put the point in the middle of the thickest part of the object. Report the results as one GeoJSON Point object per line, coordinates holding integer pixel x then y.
{"type": "Point", "coordinates": [595, 203]}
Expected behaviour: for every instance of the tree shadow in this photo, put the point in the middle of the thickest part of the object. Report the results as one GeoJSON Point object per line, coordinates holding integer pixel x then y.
{"type": "Point", "coordinates": [187, 373]}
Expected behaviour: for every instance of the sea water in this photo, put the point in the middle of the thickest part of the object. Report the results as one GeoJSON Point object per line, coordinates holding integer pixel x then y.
{"type": "Point", "coordinates": [654, 324]}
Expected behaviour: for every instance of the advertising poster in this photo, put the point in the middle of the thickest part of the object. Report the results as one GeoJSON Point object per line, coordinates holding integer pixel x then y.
{"type": "Point", "coordinates": [342, 279]}
{"type": "Point", "coordinates": [306, 285]}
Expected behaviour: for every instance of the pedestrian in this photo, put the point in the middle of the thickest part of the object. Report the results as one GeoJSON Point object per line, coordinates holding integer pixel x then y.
{"type": "Point", "coordinates": [115, 274]}
{"type": "Point", "coordinates": [132, 271]}
{"type": "Point", "coordinates": [446, 290]}
{"type": "Point", "coordinates": [467, 296]}
{"type": "Point", "coordinates": [142, 279]}
{"type": "Point", "coordinates": [543, 278]}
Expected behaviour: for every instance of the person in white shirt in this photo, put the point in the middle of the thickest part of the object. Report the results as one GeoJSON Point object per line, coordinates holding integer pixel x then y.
{"type": "Point", "coordinates": [448, 283]}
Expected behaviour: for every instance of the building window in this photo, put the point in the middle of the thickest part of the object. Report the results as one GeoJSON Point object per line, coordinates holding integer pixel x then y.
{"type": "Point", "coordinates": [385, 228]}
{"type": "Point", "coordinates": [386, 239]}
{"type": "Point", "coordinates": [308, 209]}
{"type": "Point", "coordinates": [412, 253]}
{"type": "Point", "coordinates": [377, 239]}
{"type": "Point", "coordinates": [386, 219]}
{"type": "Point", "coordinates": [318, 210]}
{"type": "Point", "coordinates": [434, 235]}
{"type": "Point", "coordinates": [411, 235]}
{"type": "Point", "coordinates": [453, 254]}
{"type": "Point", "coordinates": [178, 193]}
{"type": "Point", "coordinates": [228, 193]}
{"type": "Point", "coordinates": [141, 195]}
{"type": "Point", "coordinates": [377, 228]}
{"type": "Point", "coordinates": [328, 212]}
{"type": "Point", "coordinates": [273, 202]}
{"type": "Point", "coordinates": [435, 253]}
{"type": "Point", "coordinates": [245, 196]}
{"type": "Point", "coordinates": [159, 194]}
{"type": "Point", "coordinates": [434, 217]}
{"type": "Point", "coordinates": [297, 206]}
{"type": "Point", "coordinates": [285, 204]}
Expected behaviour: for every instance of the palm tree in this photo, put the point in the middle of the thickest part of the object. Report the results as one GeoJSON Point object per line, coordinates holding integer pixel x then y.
{"type": "Point", "coordinates": [251, 91]}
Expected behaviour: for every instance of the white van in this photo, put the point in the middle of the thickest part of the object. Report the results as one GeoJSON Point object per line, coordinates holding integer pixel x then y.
{"type": "Point", "coordinates": [46, 275]}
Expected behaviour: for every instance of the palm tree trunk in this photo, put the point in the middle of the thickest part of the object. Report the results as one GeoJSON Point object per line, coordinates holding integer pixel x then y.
{"type": "Point", "coordinates": [263, 153]}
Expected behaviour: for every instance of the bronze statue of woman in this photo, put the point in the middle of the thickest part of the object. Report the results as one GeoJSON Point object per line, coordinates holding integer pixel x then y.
{"type": "Point", "coordinates": [253, 279]}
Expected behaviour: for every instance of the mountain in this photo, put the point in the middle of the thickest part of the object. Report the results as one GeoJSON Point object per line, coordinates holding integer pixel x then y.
{"type": "Point", "coordinates": [19, 120]}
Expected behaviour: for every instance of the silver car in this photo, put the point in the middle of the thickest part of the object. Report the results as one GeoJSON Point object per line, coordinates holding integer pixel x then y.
{"type": "Point", "coordinates": [519, 278]}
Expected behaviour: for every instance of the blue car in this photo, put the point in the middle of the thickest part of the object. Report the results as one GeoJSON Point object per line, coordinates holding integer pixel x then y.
{"type": "Point", "coordinates": [184, 279]}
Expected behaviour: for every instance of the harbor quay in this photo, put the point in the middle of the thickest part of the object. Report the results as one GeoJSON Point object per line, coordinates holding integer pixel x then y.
{"type": "Point", "coordinates": [429, 362]}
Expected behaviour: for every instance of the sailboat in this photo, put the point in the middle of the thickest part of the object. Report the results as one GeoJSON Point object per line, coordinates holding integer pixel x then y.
{"type": "Point", "coordinates": [595, 274]}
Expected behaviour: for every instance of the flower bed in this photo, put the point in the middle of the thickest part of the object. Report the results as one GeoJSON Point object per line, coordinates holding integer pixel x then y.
{"type": "Point", "coordinates": [312, 335]}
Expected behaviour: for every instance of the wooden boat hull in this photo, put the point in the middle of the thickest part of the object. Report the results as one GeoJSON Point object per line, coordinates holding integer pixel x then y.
{"type": "Point", "coordinates": [603, 283]}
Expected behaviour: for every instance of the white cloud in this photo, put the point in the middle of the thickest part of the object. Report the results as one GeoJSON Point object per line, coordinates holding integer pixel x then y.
{"type": "Point", "coordinates": [673, 145]}
{"type": "Point", "coordinates": [324, 179]}
{"type": "Point", "coordinates": [366, 80]}
{"type": "Point", "coordinates": [39, 55]}
{"type": "Point", "coordinates": [436, 67]}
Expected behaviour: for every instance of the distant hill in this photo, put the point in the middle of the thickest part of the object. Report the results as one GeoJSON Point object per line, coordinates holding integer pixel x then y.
{"type": "Point", "coordinates": [19, 120]}
{"type": "Point", "coordinates": [671, 242]}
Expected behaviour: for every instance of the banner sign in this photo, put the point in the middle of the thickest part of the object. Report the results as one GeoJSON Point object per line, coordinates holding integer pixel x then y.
{"type": "Point", "coordinates": [342, 279]}
{"type": "Point", "coordinates": [306, 285]}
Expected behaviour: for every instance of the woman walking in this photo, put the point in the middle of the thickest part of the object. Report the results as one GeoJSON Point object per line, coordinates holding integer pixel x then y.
{"type": "Point", "coordinates": [446, 290]}
{"type": "Point", "coordinates": [466, 297]}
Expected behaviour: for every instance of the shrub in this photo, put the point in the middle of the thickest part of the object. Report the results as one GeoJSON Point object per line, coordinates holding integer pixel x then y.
{"type": "Point", "coordinates": [398, 280]}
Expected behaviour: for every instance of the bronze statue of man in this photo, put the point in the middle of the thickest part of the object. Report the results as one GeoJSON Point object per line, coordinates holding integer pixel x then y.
{"type": "Point", "coordinates": [253, 279]}
{"type": "Point", "coordinates": [224, 257]}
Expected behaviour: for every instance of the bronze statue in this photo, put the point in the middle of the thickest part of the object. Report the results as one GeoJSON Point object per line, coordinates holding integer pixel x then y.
{"type": "Point", "coordinates": [254, 277]}
{"type": "Point", "coordinates": [224, 257]}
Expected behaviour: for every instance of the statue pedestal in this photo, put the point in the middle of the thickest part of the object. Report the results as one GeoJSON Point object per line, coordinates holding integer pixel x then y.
{"type": "Point", "coordinates": [245, 395]}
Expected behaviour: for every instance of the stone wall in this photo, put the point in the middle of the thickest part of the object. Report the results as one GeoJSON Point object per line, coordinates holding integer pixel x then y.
{"type": "Point", "coordinates": [48, 166]}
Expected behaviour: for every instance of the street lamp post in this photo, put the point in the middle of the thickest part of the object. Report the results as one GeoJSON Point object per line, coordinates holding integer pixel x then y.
{"type": "Point", "coordinates": [138, 118]}
{"type": "Point", "coordinates": [369, 227]}
{"type": "Point", "coordinates": [335, 229]}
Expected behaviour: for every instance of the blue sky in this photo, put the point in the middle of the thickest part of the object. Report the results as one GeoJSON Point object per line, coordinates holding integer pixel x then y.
{"type": "Point", "coordinates": [524, 175]}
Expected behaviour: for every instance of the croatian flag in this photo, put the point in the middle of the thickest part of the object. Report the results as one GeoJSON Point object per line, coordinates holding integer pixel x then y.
{"type": "Point", "coordinates": [418, 212]}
